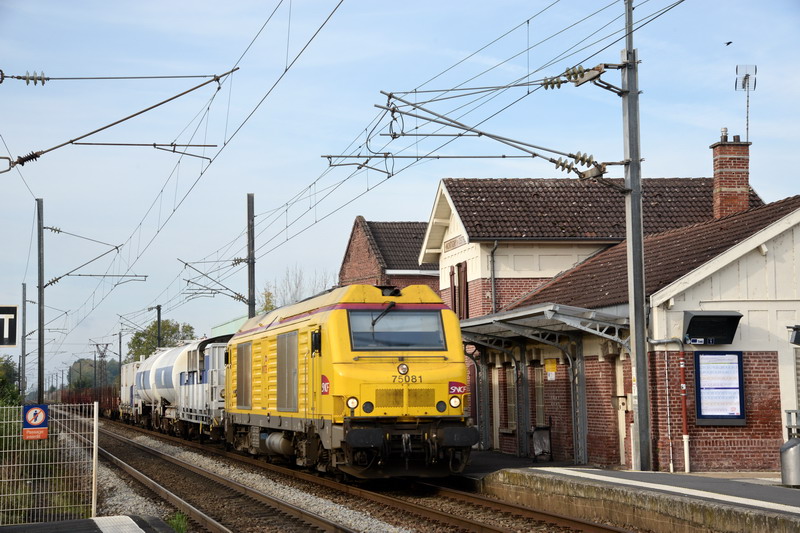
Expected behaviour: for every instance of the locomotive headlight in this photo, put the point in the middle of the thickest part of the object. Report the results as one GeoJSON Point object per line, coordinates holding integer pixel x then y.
{"type": "Point", "coordinates": [455, 401]}
{"type": "Point", "coordinates": [352, 402]}
{"type": "Point", "coordinates": [402, 368]}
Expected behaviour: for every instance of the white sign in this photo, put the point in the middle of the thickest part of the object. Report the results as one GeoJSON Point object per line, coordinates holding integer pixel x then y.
{"type": "Point", "coordinates": [8, 325]}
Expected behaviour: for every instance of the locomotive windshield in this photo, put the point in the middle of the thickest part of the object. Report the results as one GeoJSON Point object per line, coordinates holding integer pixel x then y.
{"type": "Point", "coordinates": [397, 330]}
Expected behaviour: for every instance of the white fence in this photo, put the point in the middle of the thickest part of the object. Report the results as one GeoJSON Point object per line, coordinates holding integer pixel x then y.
{"type": "Point", "coordinates": [50, 479]}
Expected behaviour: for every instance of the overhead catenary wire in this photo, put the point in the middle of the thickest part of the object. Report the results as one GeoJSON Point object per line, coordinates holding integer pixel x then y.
{"type": "Point", "coordinates": [240, 126]}
{"type": "Point", "coordinates": [319, 219]}
{"type": "Point", "coordinates": [37, 154]}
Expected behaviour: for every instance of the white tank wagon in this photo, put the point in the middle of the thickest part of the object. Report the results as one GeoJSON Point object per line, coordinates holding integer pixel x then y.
{"type": "Point", "coordinates": [157, 382]}
{"type": "Point", "coordinates": [202, 387]}
{"type": "Point", "coordinates": [130, 403]}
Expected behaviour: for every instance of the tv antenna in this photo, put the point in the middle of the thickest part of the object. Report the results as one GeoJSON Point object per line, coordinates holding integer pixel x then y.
{"type": "Point", "coordinates": [746, 81]}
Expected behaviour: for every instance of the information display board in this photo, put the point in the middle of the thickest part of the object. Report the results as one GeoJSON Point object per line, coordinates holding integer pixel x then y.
{"type": "Point", "coordinates": [719, 388]}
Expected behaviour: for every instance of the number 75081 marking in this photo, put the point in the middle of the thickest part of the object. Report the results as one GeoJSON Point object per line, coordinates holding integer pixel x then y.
{"type": "Point", "coordinates": [406, 379]}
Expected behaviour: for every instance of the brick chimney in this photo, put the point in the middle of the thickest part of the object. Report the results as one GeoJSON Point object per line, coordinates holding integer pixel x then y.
{"type": "Point", "coordinates": [731, 175]}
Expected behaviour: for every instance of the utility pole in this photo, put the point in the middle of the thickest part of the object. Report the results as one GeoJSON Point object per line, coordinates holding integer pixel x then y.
{"type": "Point", "coordinates": [635, 247]}
{"type": "Point", "coordinates": [158, 324]}
{"type": "Point", "coordinates": [251, 258]}
{"type": "Point", "coordinates": [120, 359]}
{"type": "Point", "coordinates": [40, 217]}
{"type": "Point", "coordinates": [100, 348]}
{"type": "Point", "coordinates": [22, 345]}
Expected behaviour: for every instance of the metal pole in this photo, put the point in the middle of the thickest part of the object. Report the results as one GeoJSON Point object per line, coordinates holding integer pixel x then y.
{"type": "Point", "coordinates": [251, 258]}
{"type": "Point", "coordinates": [95, 435]}
{"type": "Point", "coordinates": [22, 384]}
{"type": "Point", "coordinates": [96, 349]}
{"type": "Point", "coordinates": [635, 246]}
{"type": "Point", "coordinates": [40, 217]}
{"type": "Point", "coordinates": [158, 326]}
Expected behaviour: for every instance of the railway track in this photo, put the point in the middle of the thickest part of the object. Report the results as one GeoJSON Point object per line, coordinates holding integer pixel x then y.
{"type": "Point", "coordinates": [212, 502]}
{"type": "Point", "coordinates": [418, 507]}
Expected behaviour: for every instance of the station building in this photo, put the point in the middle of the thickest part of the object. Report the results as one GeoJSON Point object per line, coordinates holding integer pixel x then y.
{"type": "Point", "coordinates": [536, 270]}
{"type": "Point", "coordinates": [385, 253]}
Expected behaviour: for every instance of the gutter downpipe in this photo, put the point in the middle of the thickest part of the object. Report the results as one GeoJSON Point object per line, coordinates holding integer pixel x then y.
{"type": "Point", "coordinates": [684, 411]}
{"type": "Point", "coordinates": [491, 274]}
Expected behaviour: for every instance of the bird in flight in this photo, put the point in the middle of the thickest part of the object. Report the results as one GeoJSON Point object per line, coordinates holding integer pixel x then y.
{"type": "Point", "coordinates": [728, 43]}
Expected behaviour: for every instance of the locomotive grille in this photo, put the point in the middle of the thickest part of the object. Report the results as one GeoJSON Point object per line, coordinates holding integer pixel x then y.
{"type": "Point", "coordinates": [389, 398]}
{"type": "Point", "coordinates": [421, 397]}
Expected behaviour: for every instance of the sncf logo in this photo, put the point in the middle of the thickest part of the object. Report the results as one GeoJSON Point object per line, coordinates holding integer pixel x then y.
{"type": "Point", "coordinates": [326, 385]}
{"type": "Point", "coordinates": [457, 388]}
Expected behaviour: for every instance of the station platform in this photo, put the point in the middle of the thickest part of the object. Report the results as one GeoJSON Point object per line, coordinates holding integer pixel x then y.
{"type": "Point", "coordinates": [105, 524]}
{"type": "Point", "coordinates": [643, 501]}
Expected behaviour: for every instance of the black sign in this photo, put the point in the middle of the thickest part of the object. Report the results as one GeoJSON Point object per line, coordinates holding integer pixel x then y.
{"type": "Point", "coordinates": [8, 325]}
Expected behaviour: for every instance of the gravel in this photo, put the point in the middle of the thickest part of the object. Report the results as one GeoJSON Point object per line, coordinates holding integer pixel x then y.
{"type": "Point", "coordinates": [120, 497]}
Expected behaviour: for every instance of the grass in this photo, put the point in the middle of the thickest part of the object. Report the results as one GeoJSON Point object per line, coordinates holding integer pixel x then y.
{"type": "Point", "coordinates": [179, 522]}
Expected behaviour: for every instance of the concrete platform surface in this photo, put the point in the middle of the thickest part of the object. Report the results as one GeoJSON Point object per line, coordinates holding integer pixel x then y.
{"type": "Point", "coordinates": [643, 501]}
{"type": "Point", "coordinates": [104, 524]}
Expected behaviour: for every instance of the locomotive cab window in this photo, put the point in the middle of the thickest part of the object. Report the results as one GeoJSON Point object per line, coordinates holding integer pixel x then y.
{"type": "Point", "coordinates": [397, 330]}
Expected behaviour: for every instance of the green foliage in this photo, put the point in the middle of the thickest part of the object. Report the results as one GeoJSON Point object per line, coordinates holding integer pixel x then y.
{"type": "Point", "coordinates": [266, 301]}
{"type": "Point", "coordinates": [81, 373]}
{"type": "Point", "coordinates": [144, 343]}
{"type": "Point", "coordinates": [179, 522]}
{"type": "Point", "coordinates": [9, 393]}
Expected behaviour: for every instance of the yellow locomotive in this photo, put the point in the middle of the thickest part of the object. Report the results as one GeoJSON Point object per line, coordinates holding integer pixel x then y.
{"type": "Point", "coordinates": [369, 381]}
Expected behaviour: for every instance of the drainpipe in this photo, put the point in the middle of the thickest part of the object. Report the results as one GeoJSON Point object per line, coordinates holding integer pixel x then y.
{"type": "Point", "coordinates": [491, 274]}
{"type": "Point", "coordinates": [684, 415]}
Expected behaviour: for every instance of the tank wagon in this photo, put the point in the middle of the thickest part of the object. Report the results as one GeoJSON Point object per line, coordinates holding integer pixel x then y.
{"type": "Point", "coordinates": [177, 390]}
{"type": "Point", "coordinates": [367, 381]}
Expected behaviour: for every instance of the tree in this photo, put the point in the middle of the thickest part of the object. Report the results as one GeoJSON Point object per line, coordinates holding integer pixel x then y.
{"type": "Point", "coordinates": [144, 343]}
{"type": "Point", "coordinates": [295, 285]}
{"type": "Point", "coordinates": [266, 300]}
{"type": "Point", "coordinates": [81, 373]}
{"type": "Point", "coordinates": [9, 395]}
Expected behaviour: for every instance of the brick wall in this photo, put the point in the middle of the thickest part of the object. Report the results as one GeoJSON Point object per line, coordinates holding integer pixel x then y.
{"type": "Point", "coordinates": [602, 431]}
{"type": "Point", "coordinates": [731, 176]}
{"type": "Point", "coordinates": [359, 264]}
{"type": "Point", "coordinates": [508, 436]}
{"type": "Point", "coordinates": [557, 412]}
{"type": "Point", "coordinates": [507, 290]}
{"type": "Point", "coordinates": [404, 281]}
{"type": "Point", "coordinates": [755, 446]}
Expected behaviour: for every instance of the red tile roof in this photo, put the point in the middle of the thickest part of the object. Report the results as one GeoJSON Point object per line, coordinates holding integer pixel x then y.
{"type": "Point", "coordinates": [602, 279]}
{"type": "Point", "coordinates": [544, 209]}
{"type": "Point", "coordinates": [397, 244]}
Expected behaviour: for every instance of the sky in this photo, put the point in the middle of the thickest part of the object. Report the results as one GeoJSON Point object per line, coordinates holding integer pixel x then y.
{"type": "Point", "coordinates": [308, 84]}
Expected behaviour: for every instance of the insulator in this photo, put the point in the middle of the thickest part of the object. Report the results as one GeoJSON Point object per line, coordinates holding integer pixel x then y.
{"type": "Point", "coordinates": [35, 78]}
{"type": "Point", "coordinates": [33, 156]}
{"type": "Point", "coordinates": [552, 83]}
{"type": "Point", "coordinates": [564, 165]}
{"type": "Point", "coordinates": [584, 159]}
{"type": "Point", "coordinates": [573, 74]}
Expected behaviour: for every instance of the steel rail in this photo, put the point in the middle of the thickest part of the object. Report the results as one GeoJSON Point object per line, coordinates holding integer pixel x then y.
{"type": "Point", "coordinates": [176, 501]}
{"type": "Point", "coordinates": [294, 511]}
{"type": "Point", "coordinates": [433, 514]}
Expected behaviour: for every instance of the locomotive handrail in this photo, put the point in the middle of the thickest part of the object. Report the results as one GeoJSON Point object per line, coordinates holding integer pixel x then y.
{"type": "Point", "coordinates": [401, 357]}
